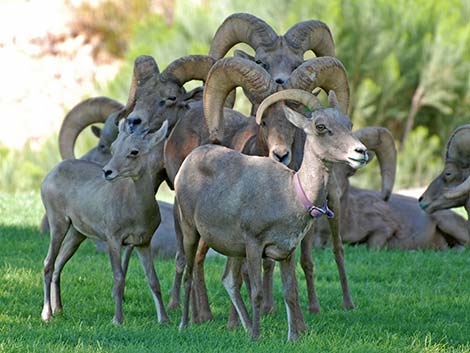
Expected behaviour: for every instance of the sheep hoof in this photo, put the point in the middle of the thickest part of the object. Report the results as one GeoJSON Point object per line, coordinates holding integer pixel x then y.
{"type": "Point", "coordinates": [314, 309]}
{"type": "Point", "coordinates": [117, 321]}
{"type": "Point", "coordinates": [348, 305]}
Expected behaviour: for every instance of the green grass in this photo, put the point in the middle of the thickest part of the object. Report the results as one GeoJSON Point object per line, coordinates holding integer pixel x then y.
{"type": "Point", "coordinates": [406, 301]}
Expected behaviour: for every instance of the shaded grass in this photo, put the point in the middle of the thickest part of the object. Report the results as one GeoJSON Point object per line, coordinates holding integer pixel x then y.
{"type": "Point", "coordinates": [406, 301]}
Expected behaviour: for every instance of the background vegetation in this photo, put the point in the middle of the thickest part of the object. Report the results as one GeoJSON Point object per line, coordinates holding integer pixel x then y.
{"type": "Point", "coordinates": [406, 301]}
{"type": "Point", "coordinates": [408, 64]}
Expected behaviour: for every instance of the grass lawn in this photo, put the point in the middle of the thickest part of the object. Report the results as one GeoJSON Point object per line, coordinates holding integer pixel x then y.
{"type": "Point", "coordinates": [406, 301]}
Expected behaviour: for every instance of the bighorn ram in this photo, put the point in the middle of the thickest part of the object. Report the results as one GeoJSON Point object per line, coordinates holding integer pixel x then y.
{"type": "Point", "coordinates": [224, 198]}
{"type": "Point", "coordinates": [271, 135]}
{"type": "Point", "coordinates": [452, 187]}
{"type": "Point", "coordinates": [279, 55]}
{"type": "Point", "coordinates": [90, 111]}
{"type": "Point", "coordinates": [398, 223]}
{"type": "Point", "coordinates": [118, 207]}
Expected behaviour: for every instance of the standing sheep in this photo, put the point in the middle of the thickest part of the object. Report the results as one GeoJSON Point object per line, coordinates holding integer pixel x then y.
{"type": "Point", "coordinates": [118, 207]}
{"type": "Point", "coordinates": [253, 207]}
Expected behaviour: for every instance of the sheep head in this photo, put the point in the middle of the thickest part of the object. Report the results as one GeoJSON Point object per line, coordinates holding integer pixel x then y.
{"type": "Point", "coordinates": [452, 187]}
{"type": "Point", "coordinates": [90, 111]}
{"type": "Point", "coordinates": [155, 97]}
{"type": "Point", "coordinates": [132, 153]}
{"type": "Point", "coordinates": [278, 55]}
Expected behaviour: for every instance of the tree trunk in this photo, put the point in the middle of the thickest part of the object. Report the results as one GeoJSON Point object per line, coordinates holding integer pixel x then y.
{"type": "Point", "coordinates": [416, 104]}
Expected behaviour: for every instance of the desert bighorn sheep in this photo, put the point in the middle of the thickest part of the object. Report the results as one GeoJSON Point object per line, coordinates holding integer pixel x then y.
{"type": "Point", "coordinates": [118, 207]}
{"type": "Point", "coordinates": [397, 223]}
{"type": "Point", "coordinates": [266, 136]}
{"type": "Point", "coordinates": [452, 187]}
{"type": "Point", "coordinates": [279, 55]}
{"type": "Point", "coordinates": [224, 198]}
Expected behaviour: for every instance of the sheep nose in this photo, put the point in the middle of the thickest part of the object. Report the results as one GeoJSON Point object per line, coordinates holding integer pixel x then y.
{"type": "Point", "coordinates": [107, 173]}
{"type": "Point", "coordinates": [280, 81]}
{"type": "Point", "coordinates": [282, 156]}
{"type": "Point", "coordinates": [133, 122]}
{"type": "Point", "coordinates": [420, 199]}
{"type": "Point", "coordinates": [361, 150]}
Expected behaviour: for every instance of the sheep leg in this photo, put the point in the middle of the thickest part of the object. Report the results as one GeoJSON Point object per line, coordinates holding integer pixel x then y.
{"type": "Point", "coordinates": [59, 229]}
{"type": "Point", "coordinates": [145, 255]}
{"type": "Point", "coordinates": [295, 317]}
{"type": "Point", "coordinates": [253, 258]}
{"type": "Point", "coordinates": [126, 259]}
{"type": "Point", "coordinates": [452, 226]}
{"type": "Point", "coordinates": [71, 243]}
{"type": "Point", "coordinates": [180, 261]}
{"type": "Point", "coordinates": [268, 296]}
{"type": "Point", "coordinates": [190, 242]}
{"type": "Point", "coordinates": [233, 320]}
{"type": "Point", "coordinates": [306, 261]}
{"type": "Point", "coordinates": [203, 308]}
{"type": "Point", "coordinates": [232, 281]}
{"type": "Point", "coordinates": [338, 249]}
{"type": "Point", "coordinates": [378, 239]}
{"type": "Point", "coordinates": [114, 248]}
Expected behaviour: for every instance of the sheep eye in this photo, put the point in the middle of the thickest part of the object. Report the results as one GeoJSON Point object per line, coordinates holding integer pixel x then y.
{"type": "Point", "coordinates": [321, 128]}
{"type": "Point", "coordinates": [134, 153]}
{"type": "Point", "coordinates": [161, 103]}
{"type": "Point", "coordinates": [172, 98]}
{"type": "Point", "coordinates": [259, 62]}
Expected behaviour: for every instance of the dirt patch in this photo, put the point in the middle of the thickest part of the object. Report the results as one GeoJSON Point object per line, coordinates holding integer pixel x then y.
{"type": "Point", "coordinates": [46, 69]}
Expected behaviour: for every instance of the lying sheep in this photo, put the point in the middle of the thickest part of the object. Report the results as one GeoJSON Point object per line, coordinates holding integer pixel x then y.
{"type": "Point", "coordinates": [253, 207]}
{"type": "Point", "coordinates": [118, 207]}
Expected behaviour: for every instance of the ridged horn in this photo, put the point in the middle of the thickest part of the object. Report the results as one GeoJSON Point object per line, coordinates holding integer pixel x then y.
{"type": "Point", "coordinates": [458, 147]}
{"type": "Point", "coordinates": [225, 75]}
{"type": "Point", "coordinates": [90, 111]}
{"type": "Point", "coordinates": [380, 140]}
{"type": "Point", "coordinates": [311, 35]}
{"type": "Point", "coordinates": [187, 68]}
{"type": "Point", "coordinates": [460, 190]}
{"type": "Point", "coordinates": [325, 72]}
{"type": "Point", "coordinates": [297, 95]}
{"type": "Point", "coordinates": [241, 28]}
{"type": "Point", "coordinates": [145, 67]}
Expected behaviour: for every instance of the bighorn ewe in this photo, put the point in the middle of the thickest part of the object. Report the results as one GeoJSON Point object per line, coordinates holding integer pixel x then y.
{"type": "Point", "coordinates": [118, 207]}
{"type": "Point", "coordinates": [452, 187]}
{"type": "Point", "coordinates": [279, 55]}
{"type": "Point", "coordinates": [270, 135]}
{"type": "Point", "coordinates": [253, 207]}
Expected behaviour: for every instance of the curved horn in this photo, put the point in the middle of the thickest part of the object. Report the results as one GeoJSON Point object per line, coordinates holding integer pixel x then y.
{"type": "Point", "coordinates": [457, 147]}
{"type": "Point", "coordinates": [460, 190]}
{"type": "Point", "coordinates": [325, 72]}
{"type": "Point", "coordinates": [90, 111]}
{"type": "Point", "coordinates": [311, 35]}
{"type": "Point", "coordinates": [187, 68]}
{"type": "Point", "coordinates": [225, 75]}
{"type": "Point", "coordinates": [241, 28]}
{"type": "Point", "coordinates": [380, 140]}
{"type": "Point", "coordinates": [297, 95]}
{"type": "Point", "coordinates": [145, 67]}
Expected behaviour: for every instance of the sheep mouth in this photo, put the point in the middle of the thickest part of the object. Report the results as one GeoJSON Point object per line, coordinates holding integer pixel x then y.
{"type": "Point", "coordinates": [361, 161]}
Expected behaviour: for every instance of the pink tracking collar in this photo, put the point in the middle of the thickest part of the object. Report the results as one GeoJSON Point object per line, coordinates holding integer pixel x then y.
{"type": "Point", "coordinates": [314, 211]}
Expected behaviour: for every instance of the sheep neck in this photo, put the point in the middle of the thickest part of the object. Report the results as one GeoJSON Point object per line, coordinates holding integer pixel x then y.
{"type": "Point", "coordinates": [313, 176]}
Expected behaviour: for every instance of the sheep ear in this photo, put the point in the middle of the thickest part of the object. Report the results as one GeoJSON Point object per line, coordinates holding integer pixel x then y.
{"type": "Point", "coordinates": [96, 131]}
{"type": "Point", "coordinates": [333, 101]}
{"type": "Point", "coordinates": [122, 126]}
{"type": "Point", "coordinates": [295, 118]}
{"type": "Point", "coordinates": [158, 136]}
{"type": "Point", "coordinates": [241, 54]}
